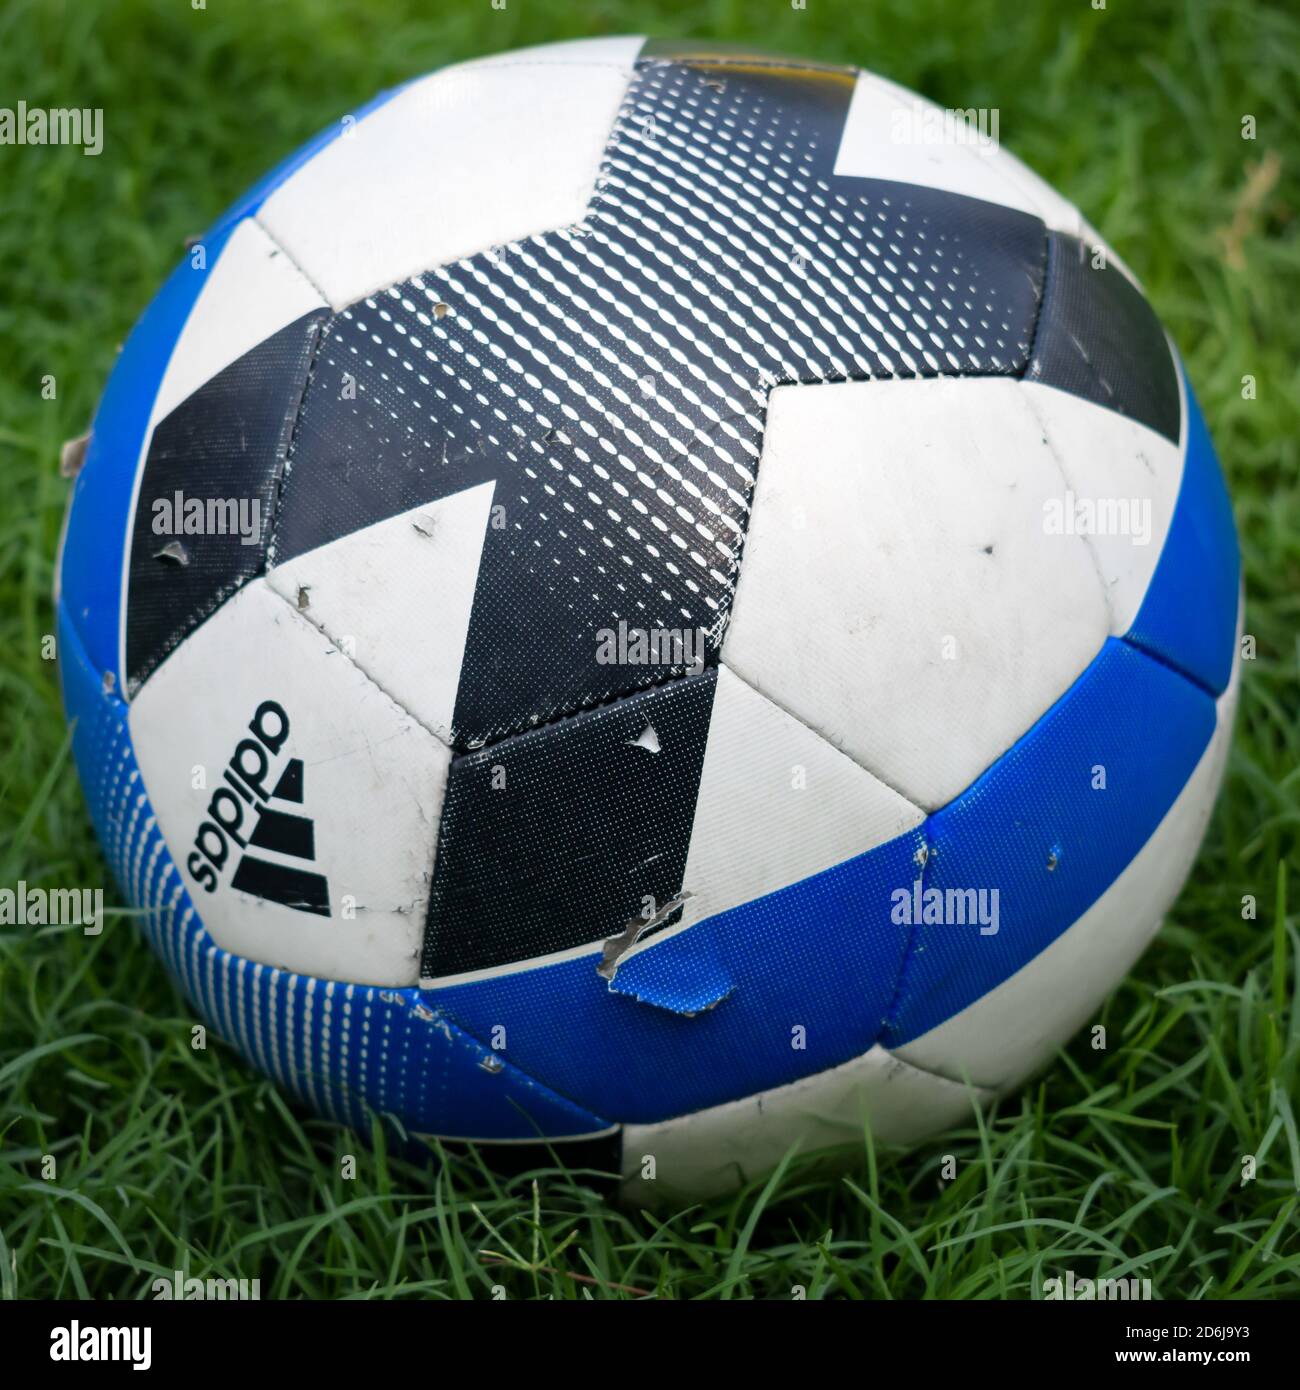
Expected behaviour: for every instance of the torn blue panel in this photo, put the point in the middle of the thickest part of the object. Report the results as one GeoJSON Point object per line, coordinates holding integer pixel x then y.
{"type": "Point", "coordinates": [808, 972]}
{"type": "Point", "coordinates": [687, 981]}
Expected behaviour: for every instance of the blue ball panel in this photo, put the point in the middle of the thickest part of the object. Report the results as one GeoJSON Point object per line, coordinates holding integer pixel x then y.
{"type": "Point", "coordinates": [1035, 828]}
{"type": "Point", "coordinates": [1188, 618]}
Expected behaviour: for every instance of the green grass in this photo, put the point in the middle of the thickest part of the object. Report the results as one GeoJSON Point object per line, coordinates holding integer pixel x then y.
{"type": "Point", "coordinates": [1122, 1161]}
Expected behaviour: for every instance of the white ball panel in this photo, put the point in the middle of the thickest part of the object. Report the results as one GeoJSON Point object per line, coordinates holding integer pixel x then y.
{"type": "Point", "coordinates": [459, 162]}
{"type": "Point", "coordinates": [1016, 1028]}
{"type": "Point", "coordinates": [895, 522]}
{"type": "Point", "coordinates": [889, 135]}
{"type": "Point", "coordinates": [252, 291]}
{"type": "Point", "coordinates": [714, 1150]}
{"type": "Point", "coordinates": [776, 804]}
{"type": "Point", "coordinates": [616, 51]}
{"type": "Point", "coordinates": [373, 783]}
{"type": "Point", "coordinates": [884, 138]}
{"type": "Point", "coordinates": [401, 591]}
{"type": "Point", "coordinates": [1122, 474]}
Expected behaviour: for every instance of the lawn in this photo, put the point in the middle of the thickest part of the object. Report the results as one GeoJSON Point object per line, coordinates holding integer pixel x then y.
{"type": "Point", "coordinates": [1127, 1161]}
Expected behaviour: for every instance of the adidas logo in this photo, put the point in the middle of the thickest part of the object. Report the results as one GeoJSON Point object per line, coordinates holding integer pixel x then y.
{"type": "Point", "coordinates": [247, 792]}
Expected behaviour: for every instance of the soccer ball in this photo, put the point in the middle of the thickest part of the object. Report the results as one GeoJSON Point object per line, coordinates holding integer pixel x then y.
{"type": "Point", "coordinates": [667, 602]}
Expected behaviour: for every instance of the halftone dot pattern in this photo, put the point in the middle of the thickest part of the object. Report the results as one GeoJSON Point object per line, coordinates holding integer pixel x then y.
{"type": "Point", "coordinates": [612, 377]}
